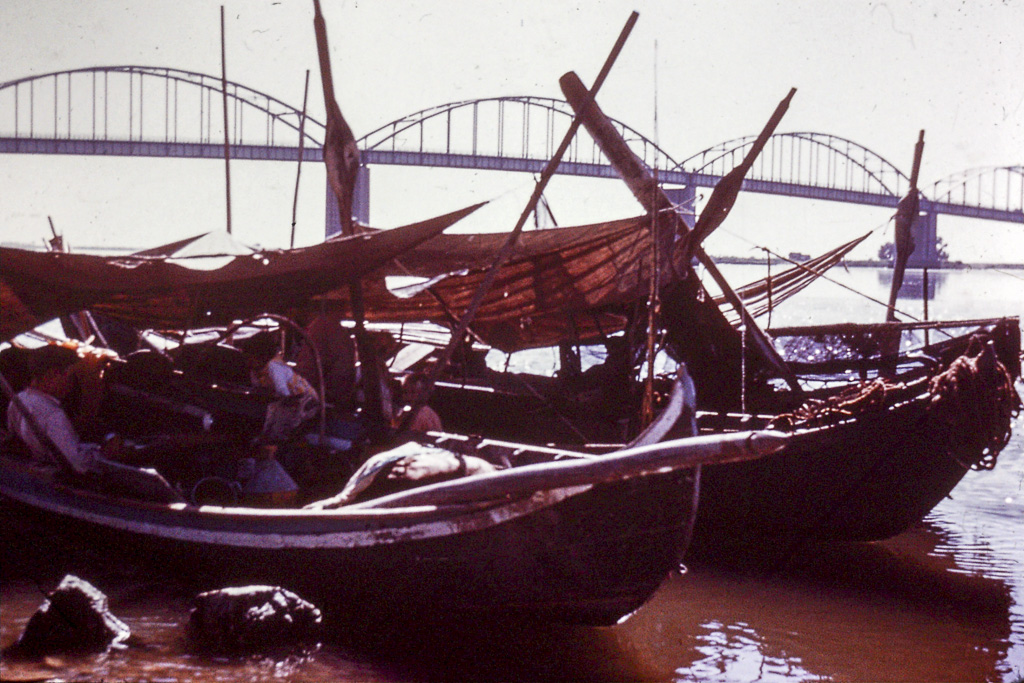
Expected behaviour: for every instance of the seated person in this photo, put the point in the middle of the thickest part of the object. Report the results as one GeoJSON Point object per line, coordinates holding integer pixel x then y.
{"type": "Point", "coordinates": [38, 418]}
{"type": "Point", "coordinates": [297, 400]}
{"type": "Point", "coordinates": [418, 416]}
{"type": "Point", "coordinates": [332, 342]}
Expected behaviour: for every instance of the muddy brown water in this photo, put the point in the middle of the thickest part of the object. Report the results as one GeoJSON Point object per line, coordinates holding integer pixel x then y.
{"type": "Point", "coordinates": [942, 602]}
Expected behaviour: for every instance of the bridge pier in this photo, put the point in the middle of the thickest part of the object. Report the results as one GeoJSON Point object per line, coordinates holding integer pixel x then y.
{"type": "Point", "coordinates": [926, 240]}
{"type": "Point", "coordinates": [360, 203]}
{"type": "Point", "coordinates": [686, 199]}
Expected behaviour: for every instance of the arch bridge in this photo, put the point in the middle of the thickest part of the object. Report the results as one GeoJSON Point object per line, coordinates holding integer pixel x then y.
{"type": "Point", "coordinates": [165, 112]}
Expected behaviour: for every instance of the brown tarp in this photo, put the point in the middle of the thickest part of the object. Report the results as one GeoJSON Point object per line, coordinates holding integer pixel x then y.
{"type": "Point", "coordinates": [159, 292]}
{"type": "Point", "coordinates": [560, 283]}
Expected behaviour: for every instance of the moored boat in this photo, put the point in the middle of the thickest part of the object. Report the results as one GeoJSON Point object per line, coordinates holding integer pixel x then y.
{"type": "Point", "coordinates": [551, 534]}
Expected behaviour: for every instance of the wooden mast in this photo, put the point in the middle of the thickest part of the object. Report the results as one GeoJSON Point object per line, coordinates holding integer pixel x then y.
{"type": "Point", "coordinates": [654, 200]}
{"type": "Point", "coordinates": [341, 157]}
{"type": "Point", "coordinates": [224, 94]}
{"type": "Point", "coordinates": [906, 215]}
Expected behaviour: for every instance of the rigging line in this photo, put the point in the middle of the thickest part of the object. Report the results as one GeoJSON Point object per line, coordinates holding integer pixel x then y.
{"type": "Point", "coordinates": [653, 303]}
{"type": "Point", "coordinates": [1005, 272]}
{"type": "Point", "coordinates": [835, 282]}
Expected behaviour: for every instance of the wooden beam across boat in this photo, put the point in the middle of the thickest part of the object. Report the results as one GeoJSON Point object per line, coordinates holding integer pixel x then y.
{"type": "Point", "coordinates": [585, 470]}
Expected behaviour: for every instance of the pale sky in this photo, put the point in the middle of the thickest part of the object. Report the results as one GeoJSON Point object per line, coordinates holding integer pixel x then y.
{"type": "Point", "coordinates": [712, 70]}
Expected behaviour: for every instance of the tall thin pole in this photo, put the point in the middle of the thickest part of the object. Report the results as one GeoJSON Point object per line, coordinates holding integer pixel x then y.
{"type": "Point", "coordinates": [298, 170]}
{"type": "Point", "coordinates": [458, 335]}
{"type": "Point", "coordinates": [224, 92]}
{"type": "Point", "coordinates": [653, 301]}
{"type": "Point", "coordinates": [924, 285]}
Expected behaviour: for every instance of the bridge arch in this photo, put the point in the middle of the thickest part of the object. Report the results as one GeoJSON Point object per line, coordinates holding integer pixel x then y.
{"type": "Point", "coordinates": [524, 128]}
{"type": "Point", "coordinates": [41, 106]}
{"type": "Point", "coordinates": [991, 187]}
{"type": "Point", "coordinates": [806, 159]}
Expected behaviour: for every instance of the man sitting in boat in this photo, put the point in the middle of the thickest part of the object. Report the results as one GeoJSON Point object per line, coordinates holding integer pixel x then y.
{"type": "Point", "coordinates": [422, 418]}
{"type": "Point", "coordinates": [296, 399]}
{"type": "Point", "coordinates": [37, 417]}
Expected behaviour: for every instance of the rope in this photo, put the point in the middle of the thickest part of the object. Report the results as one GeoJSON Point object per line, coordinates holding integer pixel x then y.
{"type": "Point", "coordinates": [971, 406]}
{"type": "Point", "coordinates": [856, 400]}
{"type": "Point", "coordinates": [975, 402]}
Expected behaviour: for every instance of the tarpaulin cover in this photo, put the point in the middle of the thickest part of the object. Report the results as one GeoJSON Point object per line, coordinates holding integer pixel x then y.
{"type": "Point", "coordinates": [560, 283]}
{"type": "Point", "coordinates": [161, 292]}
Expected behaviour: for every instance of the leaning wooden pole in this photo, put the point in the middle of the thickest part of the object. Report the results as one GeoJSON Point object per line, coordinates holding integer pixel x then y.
{"type": "Point", "coordinates": [224, 93]}
{"type": "Point", "coordinates": [298, 168]}
{"type": "Point", "coordinates": [725, 192]}
{"type": "Point", "coordinates": [506, 249]}
{"type": "Point", "coordinates": [906, 215]}
{"type": "Point", "coordinates": [653, 199]}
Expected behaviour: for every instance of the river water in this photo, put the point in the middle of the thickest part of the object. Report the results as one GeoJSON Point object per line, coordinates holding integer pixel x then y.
{"type": "Point", "coordinates": [942, 602]}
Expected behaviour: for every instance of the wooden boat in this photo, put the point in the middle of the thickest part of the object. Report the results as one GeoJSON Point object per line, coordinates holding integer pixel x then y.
{"type": "Point", "coordinates": [870, 453]}
{"type": "Point", "coordinates": [874, 456]}
{"type": "Point", "coordinates": [880, 434]}
{"type": "Point", "coordinates": [553, 535]}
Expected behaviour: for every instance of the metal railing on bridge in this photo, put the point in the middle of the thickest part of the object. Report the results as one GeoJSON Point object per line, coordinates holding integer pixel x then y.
{"type": "Point", "coordinates": [163, 112]}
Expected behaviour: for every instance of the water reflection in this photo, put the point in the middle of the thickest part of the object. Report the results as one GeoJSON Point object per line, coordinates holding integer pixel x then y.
{"type": "Point", "coordinates": [884, 611]}
{"type": "Point", "coordinates": [914, 283]}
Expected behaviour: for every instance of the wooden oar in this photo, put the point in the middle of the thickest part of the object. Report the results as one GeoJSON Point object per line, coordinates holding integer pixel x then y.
{"type": "Point", "coordinates": [656, 458]}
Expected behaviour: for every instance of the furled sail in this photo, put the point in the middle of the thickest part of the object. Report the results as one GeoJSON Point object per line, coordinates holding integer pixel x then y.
{"type": "Point", "coordinates": [763, 295]}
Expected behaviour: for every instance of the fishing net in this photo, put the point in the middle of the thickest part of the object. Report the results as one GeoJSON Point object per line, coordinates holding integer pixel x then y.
{"type": "Point", "coordinates": [970, 405]}
{"type": "Point", "coordinates": [974, 402]}
{"type": "Point", "coordinates": [855, 400]}
{"type": "Point", "coordinates": [840, 344]}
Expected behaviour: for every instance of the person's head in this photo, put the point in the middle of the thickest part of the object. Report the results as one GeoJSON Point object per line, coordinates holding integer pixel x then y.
{"type": "Point", "coordinates": [617, 349]}
{"type": "Point", "coordinates": [50, 367]}
{"type": "Point", "coordinates": [413, 387]}
{"type": "Point", "coordinates": [259, 348]}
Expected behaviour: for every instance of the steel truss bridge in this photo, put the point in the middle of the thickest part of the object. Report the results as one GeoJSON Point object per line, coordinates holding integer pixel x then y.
{"type": "Point", "coordinates": [164, 112]}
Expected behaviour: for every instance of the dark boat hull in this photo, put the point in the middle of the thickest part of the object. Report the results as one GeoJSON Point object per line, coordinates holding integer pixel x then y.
{"type": "Point", "coordinates": [862, 480]}
{"type": "Point", "coordinates": [588, 555]}
{"type": "Point", "coordinates": [870, 477]}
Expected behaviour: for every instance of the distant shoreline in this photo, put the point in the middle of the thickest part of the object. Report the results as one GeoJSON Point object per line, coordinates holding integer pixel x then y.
{"type": "Point", "coordinates": [728, 260]}
{"type": "Point", "coordinates": [854, 263]}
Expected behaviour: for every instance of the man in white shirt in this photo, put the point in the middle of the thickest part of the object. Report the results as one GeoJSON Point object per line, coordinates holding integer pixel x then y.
{"type": "Point", "coordinates": [297, 400]}
{"type": "Point", "coordinates": [36, 415]}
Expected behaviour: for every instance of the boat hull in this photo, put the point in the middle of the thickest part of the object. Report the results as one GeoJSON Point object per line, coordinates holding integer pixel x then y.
{"type": "Point", "coordinates": [589, 555]}
{"type": "Point", "coordinates": [862, 480]}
